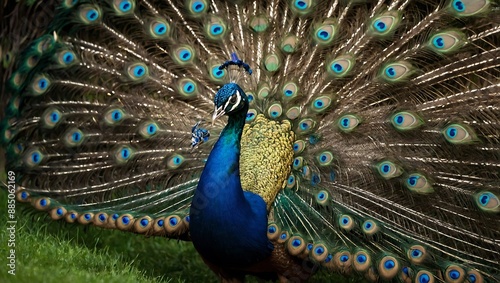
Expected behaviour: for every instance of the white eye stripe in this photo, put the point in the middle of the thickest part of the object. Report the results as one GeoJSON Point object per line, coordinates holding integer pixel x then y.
{"type": "Point", "coordinates": [238, 100]}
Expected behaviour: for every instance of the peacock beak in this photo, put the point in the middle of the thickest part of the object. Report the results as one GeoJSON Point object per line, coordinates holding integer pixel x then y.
{"type": "Point", "coordinates": [217, 113]}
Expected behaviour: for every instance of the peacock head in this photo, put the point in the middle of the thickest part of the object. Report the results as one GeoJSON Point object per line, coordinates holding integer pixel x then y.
{"type": "Point", "coordinates": [229, 99]}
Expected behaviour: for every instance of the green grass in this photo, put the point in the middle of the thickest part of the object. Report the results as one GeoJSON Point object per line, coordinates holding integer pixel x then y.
{"type": "Point", "coordinates": [58, 252]}
{"type": "Point", "coordinates": [54, 251]}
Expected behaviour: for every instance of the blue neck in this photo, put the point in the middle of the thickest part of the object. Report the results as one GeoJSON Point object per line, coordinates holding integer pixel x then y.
{"type": "Point", "coordinates": [221, 176]}
{"type": "Point", "coordinates": [223, 163]}
{"type": "Point", "coordinates": [228, 226]}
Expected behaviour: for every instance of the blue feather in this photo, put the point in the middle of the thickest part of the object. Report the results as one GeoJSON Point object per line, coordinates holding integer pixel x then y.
{"type": "Point", "coordinates": [219, 202]}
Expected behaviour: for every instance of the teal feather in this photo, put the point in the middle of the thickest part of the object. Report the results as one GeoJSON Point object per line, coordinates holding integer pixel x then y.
{"type": "Point", "coordinates": [362, 138]}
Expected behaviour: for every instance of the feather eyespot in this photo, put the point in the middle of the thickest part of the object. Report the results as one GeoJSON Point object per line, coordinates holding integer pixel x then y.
{"type": "Point", "coordinates": [51, 118]}
{"type": "Point", "coordinates": [300, 4]}
{"type": "Point", "coordinates": [306, 125]}
{"type": "Point", "coordinates": [158, 28]}
{"type": "Point", "coordinates": [148, 129]}
{"type": "Point", "coordinates": [346, 222]}
{"type": "Point", "coordinates": [40, 85]}
{"type": "Point", "coordinates": [293, 113]}
{"type": "Point", "coordinates": [289, 44]}
{"type": "Point", "coordinates": [290, 182]}
{"type": "Point", "coordinates": [325, 33]}
{"type": "Point", "coordinates": [309, 246]}
{"type": "Point", "coordinates": [89, 14]}
{"type": "Point", "coordinates": [447, 41]}
{"type": "Point", "coordinates": [259, 23]}
{"type": "Point", "coordinates": [315, 179]}
{"type": "Point", "coordinates": [468, 7]}
{"type": "Point", "coordinates": [454, 274]}
{"type": "Point", "coordinates": [36, 157]}
{"type": "Point", "coordinates": [125, 222]}
{"type": "Point", "coordinates": [459, 5]}
{"type": "Point", "coordinates": [458, 134]}
{"type": "Point", "coordinates": [343, 259]}
{"type": "Point", "coordinates": [58, 213]}
{"type": "Point", "coordinates": [290, 90]}
{"type": "Point", "coordinates": [385, 23]}
{"type": "Point", "coordinates": [397, 71]}
{"type": "Point", "coordinates": [137, 72]}
{"type": "Point", "coordinates": [341, 66]}
{"type": "Point", "coordinates": [321, 103]}
{"type": "Point", "coordinates": [319, 252]}
{"type": "Point", "coordinates": [263, 91]}
{"type": "Point", "coordinates": [71, 216]}
{"type": "Point", "coordinates": [102, 217]}
{"type": "Point", "coordinates": [217, 73]}
{"type": "Point", "coordinates": [151, 129]}
{"type": "Point", "coordinates": [380, 26]}
{"type": "Point", "coordinates": [175, 161]}
{"type": "Point", "coordinates": [424, 276]}
{"type": "Point", "coordinates": [298, 146]}
{"type": "Point", "coordinates": [322, 197]}
{"type": "Point", "coordinates": [66, 58]}
{"type": "Point", "coordinates": [183, 55]}
{"type": "Point", "coordinates": [306, 172]}
{"type": "Point", "coordinates": [404, 121]}
{"type": "Point", "coordinates": [370, 227]}
{"type": "Point", "coordinates": [123, 7]}
{"type": "Point", "coordinates": [23, 196]}
{"type": "Point", "coordinates": [197, 7]}
{"type": "Point", "coordinates": [474, 276]}
{"type": "Point", "coordinates": [143, 224]}
{"type": "Point", "coordinates": [272, 62]}
{"type": "Point", "coordinates": [296, 245]}
{"type": "Point", "coordinates": [275, 111]}
{"type": "Point", "coordinates": [487, 201]}
{"type": "Point", "coordinates": [42, 203]}
{"type": "Point", "coordinates": [215, 28]}
{"type": "Point", "coordinates": [362, 261]}
{"type": "Point", "coordinates": [33, 157]}
{"type": "Point", "coordinates": [297, 162]}
{"type": "Point", "coordinates": [123, 154]}
{"type": "Point", "coordinates": [325, 158]}
{"type": "Point", "coordinates": [417, 254]}
{"type": "Point", "coordinates": [273, 231]}
{"type": "Point", "coordinates": [284, 235]}
{"type": "Point", "coordinates": [302, 7]}
{"type": "Point", "coordinates": [187, 88]}
{"type": "Point", "coordinates": [418, 183]}
{"type": "Point", "coordinates": [388, 169]}
{"type": "Point", "coordinates": [73, 137]}
{"type": "Point", "coordinates": [114, 116]}
{"type": "Point", "coordinates": [347, 123]}
{"type": "Point", "coordinates": [388, 267]}
{"type": "Point", "coordinates": [251, 115]}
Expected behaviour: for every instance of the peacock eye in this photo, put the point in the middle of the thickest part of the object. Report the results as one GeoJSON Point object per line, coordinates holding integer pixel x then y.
{"type": "Point", "coordinates": [233, 99]}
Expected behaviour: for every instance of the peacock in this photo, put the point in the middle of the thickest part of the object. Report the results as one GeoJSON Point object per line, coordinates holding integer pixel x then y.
{"type": "Point", "coordinates": [279, 137]}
